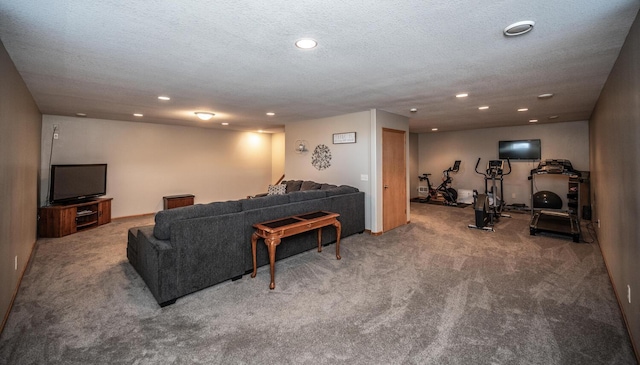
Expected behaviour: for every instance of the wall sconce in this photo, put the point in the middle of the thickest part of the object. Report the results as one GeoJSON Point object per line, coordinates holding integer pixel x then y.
{"type": "Point", "coordinates": [301, 146]}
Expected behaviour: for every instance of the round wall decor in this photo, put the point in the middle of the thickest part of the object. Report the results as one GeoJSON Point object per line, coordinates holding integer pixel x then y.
{"type": "Point", "coordinates": [321, 158]}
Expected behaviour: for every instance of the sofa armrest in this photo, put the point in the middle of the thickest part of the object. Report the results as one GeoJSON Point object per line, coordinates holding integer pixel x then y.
{"type": "Point", "coordinates": [351, 210]}
{"type": "Point", "coordinates": [156, 265]}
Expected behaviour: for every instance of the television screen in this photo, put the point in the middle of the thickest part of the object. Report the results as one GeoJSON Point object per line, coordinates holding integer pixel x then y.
{"type": "Point", "coordinates": [528, 149]}
{"type": "Point", "coordinates": [77, 182]}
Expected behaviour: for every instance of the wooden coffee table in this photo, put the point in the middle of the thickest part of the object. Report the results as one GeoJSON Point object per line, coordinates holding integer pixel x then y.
{"type": "Point", "coordinates": [273, 231]}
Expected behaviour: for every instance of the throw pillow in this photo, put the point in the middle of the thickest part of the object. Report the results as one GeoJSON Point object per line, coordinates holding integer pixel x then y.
{"type": "Point", "coordinates": [277, 189]}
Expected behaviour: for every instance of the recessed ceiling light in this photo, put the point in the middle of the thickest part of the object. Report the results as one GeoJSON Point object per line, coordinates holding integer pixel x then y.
{"type": "Point", "coordinates": [81, 115]}
{"type": "Point", "coordinates": [434, 129]}
{"type": "Point", "coordinates": [413, 110]}
{"type": "Point", "coordinates": [533, 121]}
{"type": "Point", "coordinates": [306, 43]}
{"type": "Point", "coordinates": [165, 98]}
{"type": "Point", "coordinates": [545, 96]}
{"type": "Point", "coordinates": [523, 109]}
{"type": "Point", "coordinates": [137, 115]}
{"type": "Point", "coordinates": [204, 115]}
{"type": "Point", "coordinates": [518, 28]}
{"type": "Point", "coordinates": [224, 123]}
{"type": "Point", "coordinates": [271, 114]}
{"type": "Point", "coordinates": [483, 107]}
{"type": "Point", "coordinates": [553, 117]}
{"type": "Point", "coordinates": [462, 95]}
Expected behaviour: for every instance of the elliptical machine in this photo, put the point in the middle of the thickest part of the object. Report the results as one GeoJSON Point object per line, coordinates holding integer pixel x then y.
{"type": "Point", "coordinates": [449, 194]}
{"type": "Point", "coordinates": [488, 206]}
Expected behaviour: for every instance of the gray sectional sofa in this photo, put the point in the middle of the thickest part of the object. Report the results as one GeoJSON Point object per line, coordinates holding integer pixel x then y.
{"type": "Point", "coordinates": [191, 248]}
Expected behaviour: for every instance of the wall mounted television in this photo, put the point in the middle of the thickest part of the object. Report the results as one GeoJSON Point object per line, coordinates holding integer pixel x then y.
{"type": "Point", "coordinates": [75, 183]}
{"type": "Point", "coordinates": [526, 149]}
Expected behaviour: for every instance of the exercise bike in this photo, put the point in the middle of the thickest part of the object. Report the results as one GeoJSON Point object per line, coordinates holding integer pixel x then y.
{"type": "Point", "coordinates": [449, 194]}
{"type": "Point", "coordinates": [488, 206]}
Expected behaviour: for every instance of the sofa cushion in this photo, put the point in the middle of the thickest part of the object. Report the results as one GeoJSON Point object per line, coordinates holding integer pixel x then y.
{"type": "Point", "coordinates": [277, 189]}
{"type": "Point", "coordinates": [309, 185]}
{"type": "Point", "coordinates": [164, 218]}
{"type": "Point", "coordinates": [265, 201]}
{"type": "Point", "coordinates": [293, 185]}
{"type": "Point", "coordinates": [298, 196]}
{"type": "Point", "coordinates": [342, 189]}
{"type": "Point", "coordinates": [327, 186]}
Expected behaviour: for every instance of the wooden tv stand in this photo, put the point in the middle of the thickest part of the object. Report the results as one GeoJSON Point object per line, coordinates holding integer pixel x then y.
{"type": "Point", "coordinates": [62, 220]}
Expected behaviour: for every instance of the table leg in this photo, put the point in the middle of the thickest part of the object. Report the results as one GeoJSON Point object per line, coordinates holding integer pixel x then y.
{"type": "Point", "coordinates": [320, 239]}
{"type": "Point", "coordinates": [338, 231]}
{"type": "Point", "coordinates": [271, 243]}
{"type": "Point", "coordinates": [254, 240]}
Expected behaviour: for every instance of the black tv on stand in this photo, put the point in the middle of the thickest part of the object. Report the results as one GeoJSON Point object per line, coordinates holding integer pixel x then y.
{"type": "Point", "coordinates": [71, 184]}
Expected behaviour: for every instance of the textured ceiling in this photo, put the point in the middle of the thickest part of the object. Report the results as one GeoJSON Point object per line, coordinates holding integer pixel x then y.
{"type": "Point", "coordinates": [110, 59]}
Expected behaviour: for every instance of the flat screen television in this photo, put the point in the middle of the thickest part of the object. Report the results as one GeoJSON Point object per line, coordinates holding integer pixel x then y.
{"type": "Point", "coordinates": [74, 183]}
{"type": "Point", "coordinates": [525, 149]}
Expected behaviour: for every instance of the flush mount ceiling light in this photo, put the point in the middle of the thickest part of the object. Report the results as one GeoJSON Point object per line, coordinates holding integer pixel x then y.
{"type": "Point", "coordinates": [306, 43]}
{"type": "Point", "coordinates": [165, 98]}
{"type": "Point", "coordinates": [413, 110]}
{"type": "Point", "coordinates": [434, 129]}
{"type": "Point", "coordinates": [271, 114]}
{"type": "Point", "coordinates": [224, 123]}
{"type": "Point", "coordinates": [523, 109]}
{"type": "Point", "coordinates": [533, 121]}
{"type": "Point", "coordinates": [545, 96]}
{"type": "Point", "coordinates": [519, 28]}
{"type": "Point", "coordinates": [81, 115]}
{"type": "Point", "coordinates": [138, 115]}
{"type": "Point", "coordinates": [462, 95]}
{"type": "Point", "coordinates": [483, 107]}
{"type": "Point", "coordinates": [204, 115]}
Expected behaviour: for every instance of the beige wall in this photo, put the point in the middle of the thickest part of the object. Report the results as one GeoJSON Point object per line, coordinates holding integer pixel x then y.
{"type": "Point", "coordinates": [615, 163]}
{"type": "Point", "coordinates": [569, 141]}
{"type": "Point", "coordinates": [349, 162]}
{"type": "Point", "coordinates": [355, 164]}
{"type": "Point", "coordinates": [149, 161]}
{"type": "Point", "coordinates": [19, 163]}
{"type": "Point", "coordinates": [277, 156]}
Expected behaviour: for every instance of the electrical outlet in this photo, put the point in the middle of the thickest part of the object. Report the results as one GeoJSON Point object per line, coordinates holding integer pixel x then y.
{"type": "Point", "coordinates": [56, 135]}
{"type": "Point", "coordinates": [55, 127]}
{"type": "Point", "coordinates": [15, 263]}
{"type": "Point", "coordinates": [629, 293]}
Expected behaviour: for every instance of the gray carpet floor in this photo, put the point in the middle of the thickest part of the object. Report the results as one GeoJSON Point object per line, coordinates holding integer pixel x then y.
{"type": "Point", "coordinates": [430, 292]}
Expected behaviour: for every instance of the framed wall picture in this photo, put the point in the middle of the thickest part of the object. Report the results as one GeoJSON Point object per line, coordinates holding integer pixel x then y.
{"type": "Point", "coordinates": [348, 137]}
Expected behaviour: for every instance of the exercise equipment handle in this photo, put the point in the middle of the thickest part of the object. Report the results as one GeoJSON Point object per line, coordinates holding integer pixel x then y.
{"type": "Point", "coordinates": [508, 163]}
{"type": "Point", "coordinates": [478, 172]}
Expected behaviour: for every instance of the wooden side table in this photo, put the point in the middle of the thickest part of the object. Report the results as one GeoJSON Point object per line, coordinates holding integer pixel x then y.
{"type": "Point", "coordinates": [175, 201]}
{"type": "Point", "coordinates": [273, 231]}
